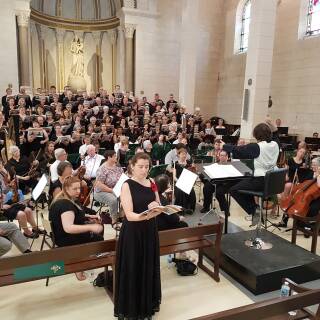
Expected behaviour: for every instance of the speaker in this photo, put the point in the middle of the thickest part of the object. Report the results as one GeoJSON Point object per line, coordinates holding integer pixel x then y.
{"type": "Point", "coordinates": [245, 111]}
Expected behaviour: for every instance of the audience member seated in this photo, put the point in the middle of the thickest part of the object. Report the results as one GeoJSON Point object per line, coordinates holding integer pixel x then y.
{"type": "Point", "coordinates": [10, 233]}
{"type": "Point", "coordinates": [107, 177]}
{"type": "Point", "coordinates": [165, 221]}
{"type": "Point", "coordinates": [70, 225]}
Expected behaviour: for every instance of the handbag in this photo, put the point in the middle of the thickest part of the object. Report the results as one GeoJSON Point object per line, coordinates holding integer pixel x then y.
{"type": "Point", "coordinates": [185, 267]}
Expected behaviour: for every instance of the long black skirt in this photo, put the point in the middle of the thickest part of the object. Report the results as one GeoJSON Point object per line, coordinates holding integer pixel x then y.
{"type": "Point", "coordinates": [138, 284]}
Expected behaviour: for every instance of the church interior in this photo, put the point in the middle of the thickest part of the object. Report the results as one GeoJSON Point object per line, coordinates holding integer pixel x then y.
{"type": "Point", "coordinates": [190, 130]}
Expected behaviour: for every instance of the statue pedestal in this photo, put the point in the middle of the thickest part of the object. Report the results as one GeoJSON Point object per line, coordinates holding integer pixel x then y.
{"type": "Point", "coordinates": [77, 83]}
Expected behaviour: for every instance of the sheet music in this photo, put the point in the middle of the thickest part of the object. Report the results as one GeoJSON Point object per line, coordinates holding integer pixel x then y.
{"type": "Point", "coordinates": [36, 192]}
{"type": "Point", "coordinates": [117, 187]}
{"type": "Point", "coordinates": [186, 181]}
{"type": "Point", "coordinates": [216, 171]}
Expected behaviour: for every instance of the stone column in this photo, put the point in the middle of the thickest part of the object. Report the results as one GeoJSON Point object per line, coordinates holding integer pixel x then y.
{"type": "Point", "coordinates": [113, 40]}
{"type": "Point", "coordinates": [60, 58]}
{"type": "Point", "coordinates": [23, 18]}
{"type": "Point", "coordinates": [258, 65]}
{"type": "Point", "coordinates": [97, 38]}
{"type": "Point", "coordinates": [129, 71]}
{"type": "Point", "coordinates": [188, 55]}
{"type": "Point", "coordinates": [121, 74]}
{"type": "Point", "coordinates": [43, 57]}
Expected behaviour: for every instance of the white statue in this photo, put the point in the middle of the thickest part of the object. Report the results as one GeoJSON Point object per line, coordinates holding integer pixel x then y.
{"type": "Point", "coordinates": [77, 69]}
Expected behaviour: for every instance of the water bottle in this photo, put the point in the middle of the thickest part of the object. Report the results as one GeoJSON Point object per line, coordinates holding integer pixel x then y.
{"type": "Point", "coordinates": [170, 260]}
{"type": "Point", "coordinates": [285, 290]}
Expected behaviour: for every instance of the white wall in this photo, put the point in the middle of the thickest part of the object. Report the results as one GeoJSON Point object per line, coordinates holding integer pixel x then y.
{"type": "Point", "coordinates": [295, 89]}
{"type": "Point", "coordinates": [8, 53]}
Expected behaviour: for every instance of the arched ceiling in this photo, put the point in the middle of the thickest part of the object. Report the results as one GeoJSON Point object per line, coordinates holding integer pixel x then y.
{"type": "Point", "coordinates": [78, 9]}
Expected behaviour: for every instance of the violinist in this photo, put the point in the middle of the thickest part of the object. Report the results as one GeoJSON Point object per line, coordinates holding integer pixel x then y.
{"type": "Point", "coordinates": [20, 167]}
{"type": "Point", "coordinates": [314, 206]}
{"type": "Point", "coordinates": [13, 206]}
{"type": "Point", "coordinates": [70, 224]}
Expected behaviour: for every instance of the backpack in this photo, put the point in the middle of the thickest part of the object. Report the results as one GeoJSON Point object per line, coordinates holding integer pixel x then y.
{"type": "Point", "coordinates": [185, 267]}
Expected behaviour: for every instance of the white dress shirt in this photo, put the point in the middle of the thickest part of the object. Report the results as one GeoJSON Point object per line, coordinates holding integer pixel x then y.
{"type": "Point", "coordinates": [53, 171]}
{"type": "Point", "coordinates": [92, 164]}
{"type": "Point", "coordinates": [83, 149]}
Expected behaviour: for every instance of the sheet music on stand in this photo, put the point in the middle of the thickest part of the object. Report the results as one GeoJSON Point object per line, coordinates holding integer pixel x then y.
{"type": "Point", "coordinates": [117, 188]}
{"type": "Point", "coordinates": [36, 192]}
{"type": "Point", "coordinates": [186, 181]}
{"type": "Point", "coordinates": [218, 171]}
{"type": "Point", "coordinates": [234, 170]}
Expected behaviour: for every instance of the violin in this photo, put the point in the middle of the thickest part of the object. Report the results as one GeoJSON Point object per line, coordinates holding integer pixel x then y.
{"type": "Point", "coordinates": [298, 202]}
{"type": "Point", "coordinates": [15, 188]}
{"type": "Point", "coordinates": [83, 198]}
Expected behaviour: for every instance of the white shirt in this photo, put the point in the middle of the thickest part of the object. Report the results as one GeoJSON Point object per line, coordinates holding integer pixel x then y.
{"type": "Point", "coordinates": [53, 171]}
{"type": "Point", "coordinates": [267, 160]}
{"type": "Point", "coordinates": [92, 164]}
{"type": "Point", "coordinates": [83, 149]}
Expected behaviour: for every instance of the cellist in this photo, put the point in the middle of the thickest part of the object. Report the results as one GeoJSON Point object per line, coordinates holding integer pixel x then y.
{"type": "Point", "coordinates": [315, 204]}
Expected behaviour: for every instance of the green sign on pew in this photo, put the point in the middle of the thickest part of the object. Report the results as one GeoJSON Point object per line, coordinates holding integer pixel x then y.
{"type": "Point", "coordinates": [55, 268]}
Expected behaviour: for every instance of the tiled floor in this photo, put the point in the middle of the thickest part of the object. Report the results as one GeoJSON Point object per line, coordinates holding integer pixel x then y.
{"type": "Point", "coordinates": [183, 297]}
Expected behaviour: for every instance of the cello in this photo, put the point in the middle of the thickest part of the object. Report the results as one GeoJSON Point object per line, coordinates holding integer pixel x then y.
{"type": "Point", "coordinates": [302, 195]}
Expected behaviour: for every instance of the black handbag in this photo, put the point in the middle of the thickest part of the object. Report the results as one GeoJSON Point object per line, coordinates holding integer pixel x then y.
{"type": "Point", "coordinates": [185, 267]}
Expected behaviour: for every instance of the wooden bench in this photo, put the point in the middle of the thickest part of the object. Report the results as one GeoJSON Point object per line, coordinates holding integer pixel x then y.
{"type": "Point", "coordinates": [75, 259]}
{"type": "Point", "coordinates": [275, 309]}
{"type": "Point", "coordinates": [185, 239]}
{"type": "Point", "coordinates": [103, 254]}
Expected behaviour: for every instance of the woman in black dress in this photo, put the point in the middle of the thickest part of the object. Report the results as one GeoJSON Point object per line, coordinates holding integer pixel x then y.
{"type": "Point", "coordinates": [187, 201]}
{"type": "Point", "coordinates": [70, 224]}
{"type": "Point", "coordinates": [138, 286]}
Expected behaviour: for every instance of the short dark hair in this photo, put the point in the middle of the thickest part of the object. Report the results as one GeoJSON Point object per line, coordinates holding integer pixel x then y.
{"type": "Point", "coordinates": [180, 145]}
{"type": "Point", "coordinates": [162, 182]}
{"type": "Point", "coordinates": [109, 154]}
{"type": "Point", "coordinates": [62, 166]}
{"type": "Point", "coordinates": [138, 156]}
{"type": "Point", "coordinates": [262, 132]}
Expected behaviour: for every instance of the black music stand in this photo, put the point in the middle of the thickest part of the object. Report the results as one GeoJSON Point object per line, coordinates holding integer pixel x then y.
{"type": "Point", "coordinates": [36, 193]}
{"type": "Point", "coordinates": [244, 169]}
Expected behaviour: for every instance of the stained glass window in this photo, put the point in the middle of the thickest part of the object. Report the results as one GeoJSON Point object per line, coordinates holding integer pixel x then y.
{"type": "Point", "coordinates": [245, 24]}
{"type": "Point", "coordinates": [313, 19]}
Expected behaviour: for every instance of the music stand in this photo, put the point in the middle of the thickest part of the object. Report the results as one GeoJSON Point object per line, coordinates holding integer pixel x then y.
{"type": "Point", "coordinates": [36, 193]}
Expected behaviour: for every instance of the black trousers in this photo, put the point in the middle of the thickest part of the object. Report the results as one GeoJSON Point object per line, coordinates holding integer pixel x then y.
{"type": "Point", "coordinates": [222, 189]}
{"type": "Point", "coordinates": [247, 202]}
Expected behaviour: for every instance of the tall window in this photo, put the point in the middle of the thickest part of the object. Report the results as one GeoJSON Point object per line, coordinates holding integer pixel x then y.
{"type": "Point", "coordinates": [245, 25]}
{"type": "Point", "coordinates": [313, 20]}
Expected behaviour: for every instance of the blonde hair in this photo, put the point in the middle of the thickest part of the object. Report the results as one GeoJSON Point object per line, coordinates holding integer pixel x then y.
{"type": "Point", "coordinates": [63, 194]}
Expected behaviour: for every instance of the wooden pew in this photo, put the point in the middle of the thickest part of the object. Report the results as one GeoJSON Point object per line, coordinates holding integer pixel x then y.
{"type": "Point", "coordinates": [275, 309]}
{"type": "Point", "coordinates": [103, 254]}
{"type": "Point", "coordinates": [184, 239]}
{"type": "Point", "coordinates": [75, 259]}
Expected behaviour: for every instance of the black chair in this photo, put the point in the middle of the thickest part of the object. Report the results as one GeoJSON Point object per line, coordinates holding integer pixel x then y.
{"type": "Point", "coordinates": [274, 182]}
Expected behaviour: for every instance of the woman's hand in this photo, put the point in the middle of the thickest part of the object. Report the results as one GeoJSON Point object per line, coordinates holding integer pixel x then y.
{"type": "Point", "coordinates": [153, 204]}
{"type": "Point", "coordinates": [6, 206]}
{"type": "Point", "coordinates": [96, 228]}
